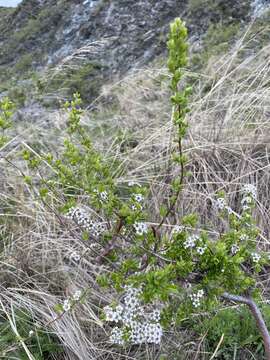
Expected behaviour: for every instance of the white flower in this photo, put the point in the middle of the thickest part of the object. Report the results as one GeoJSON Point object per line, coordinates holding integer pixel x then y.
{"type": "Point", "coordinates": [71, 213]}
{"type": "Point", "coordinates": [255, 257]}
{"type": "Point", "coordinates": [154, 315]}
{"type": "Point", "coordinates": [138, 197]}
{"type": "Point", "coordinates": [77, 295]}
{"type": "Point", "coordinates": [103, 196]}
{"type": "Point", "coordinates": [66, 305]}
{"type": "Point", "coordinates": [138, 333]}
{"type": "Point", "coordinates": [153, 333]}
{"type": "Point", "coordinates": [196, 298]}
{"type": "Point", "coordinates": [247, 200]}
{"type": "Point", "coordinates": [135, 207]}
{"type": "Point", "coordinates": [249, 189]}
{"type": "Point", "coordinates": [117, 336]}
{"type": "Point", "coordinates": [31, 333]}
{"type": "Point", "coordinates": [140, 227]}
{"type": "Point", "coordinates": [234, 249]}
{"type": "Point", "coordinates": [220, 204]}
{"type": "Point", "coordinates": [132, 316]}
{"type": "Point", "coordinates": [243, 237]}
{"type": "Point", "coordinates": [201, 250]}
{"type": "Point", "coordinates": [113, 314]}
{"type": "Point", "coordinates": [128, 316]}
{"type": "Point", "coordinates": [177, 229]}
{"type": "Point", "coordinates": [75, 256]}
{"type": "Point", "coordinates": [191, 241]}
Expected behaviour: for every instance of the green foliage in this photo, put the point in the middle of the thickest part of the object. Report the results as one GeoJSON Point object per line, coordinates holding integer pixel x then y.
{"type": "Point", "coordinates": [85, 79]}
{"type": "Point", "coordinates": [6, 112]}
{"type": "Point", "coordinates": [160, 260]}
{"type": "Point", "coordinates": [18, 95]}
{"type": "Point", "coordinates": [216, 41]}
{"type": "Point", "coordinates": [24, 63]}
{"type": "Point", "coordinates": [238, 330]}
{"type": "Point", "coordinates": [40, 343]}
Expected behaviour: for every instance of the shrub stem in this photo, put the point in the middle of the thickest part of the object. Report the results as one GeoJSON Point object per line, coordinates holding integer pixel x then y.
{"type": "Point", "coordinates": [256, 313]}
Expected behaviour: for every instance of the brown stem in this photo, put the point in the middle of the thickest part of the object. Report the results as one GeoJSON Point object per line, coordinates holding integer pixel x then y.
{"type": "Point", "coordinates": [180, 151]}
{"type": "Point", "coordinates": [256, 313]}
{"type": "Point", "coordinates": [111, 244]}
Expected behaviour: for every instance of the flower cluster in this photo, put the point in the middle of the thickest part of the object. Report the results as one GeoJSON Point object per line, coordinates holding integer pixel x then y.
{"type": "Point", "coordinates": [249, 189]}
{"type": "Point", "coordinates": [220, 204]}
{"type": "Point", "coordinates": [146, 333]}
{"type": "Point", "coordinates": [117, 336]}
{"type": "Point", "coordinates": [201, 249]}
{"type": "Point", "coordinates": [177, 229]}
{"type": "Point", "coordinates": [103, 196]}
{"type": "Point", "coordinates": [191, 241]}
{"type": "Point", "coordinates": [82, 219]}
{"type": "Point", "coordinates": [68, 303]}
{"type": "Point", "coordinates": [141, 327]}
{"type": "Point", "coordinates": [255, 257]}
{"type": "Point", "coordinates": [74, 256]}
{"type": "Point", "coordinates": [138, 197]}
{"type": "Point", "coordinates": [196, 298]}
{"type": "Point", "coordinates": [243, 237]}
{"type": "Point", "coordinates": [234, 249]}
{"type": "Point", "coordinates": [140, 227]}
{"type": "Point", "coordinates": [250, 194]}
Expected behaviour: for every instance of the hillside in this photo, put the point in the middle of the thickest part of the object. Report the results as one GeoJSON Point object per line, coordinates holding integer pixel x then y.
{"type": "Point", "coordinates": [98, 41]}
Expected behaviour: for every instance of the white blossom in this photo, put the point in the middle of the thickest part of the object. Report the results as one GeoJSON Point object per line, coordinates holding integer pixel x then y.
{"type": "Point", "coordinates": [201, 249]}
{"type": "Point", "coordinates": [255, 257]}
{"type": "Point", "coordinates": [103, 196]}
{"type": "Point", "coordinates": [140, 227]}
{"type": "Point", "coordinates": [77, 295]}
{"type": "Point", "coordinates": [143, 327]}
{"type": "Point", "coordinates": [234, 249]}
{"type": "Point", "coordinates": [220, 204]}
{"type": "Point", "coordinates": [177, 229]}
{"type": "Point", "coordinates": [153, 333]}
{"type": "Point", "coordinates": [31, 333]}
{"type": "Point", "coordinates": [196, 298]}
{"type": "Point", "coordinates": [113, 314]}
{"type": "Point", "coordinates": [249, 189]}
{"type": "Point", "coordinates": [191, 241]}
{"type": "Point", "coordinates": [75, 256]}
{"type": "Point", "coordinates": [117, 336]}
{"type": "Point", "coordinates": [66, 305]}
{"type": "Point", "coordinates": [154, 315]}
{"type": "Point", "coordinates": [138, 197]}
{"type": "Point", "coordinates": [243, 237]}
{"type": "Point", "coordinates": [82, 219]}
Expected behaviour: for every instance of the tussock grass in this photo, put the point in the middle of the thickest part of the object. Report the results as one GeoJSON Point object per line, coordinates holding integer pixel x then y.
{"type": "Point", "coordinates": [227, 146]}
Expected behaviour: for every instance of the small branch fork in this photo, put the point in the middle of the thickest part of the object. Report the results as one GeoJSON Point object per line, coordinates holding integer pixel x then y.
{"type": "Point", "coordinates": [256, 313]}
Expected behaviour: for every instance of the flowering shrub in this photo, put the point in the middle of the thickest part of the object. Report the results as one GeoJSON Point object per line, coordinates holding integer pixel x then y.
{"type": "Point", "coordinates": [156, 261]}
{"type": "Point", "coordinates": [137, 326]}
{"type": "Point", "coordinates": [6, 112]}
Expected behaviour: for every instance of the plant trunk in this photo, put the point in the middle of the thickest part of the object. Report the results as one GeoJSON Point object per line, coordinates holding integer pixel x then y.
{"type": "Point", "coordinates": [257, 316]}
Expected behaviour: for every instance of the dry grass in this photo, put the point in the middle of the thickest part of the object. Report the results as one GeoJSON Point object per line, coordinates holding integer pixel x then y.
{"type": "Point", "coordinates": [227, 145]}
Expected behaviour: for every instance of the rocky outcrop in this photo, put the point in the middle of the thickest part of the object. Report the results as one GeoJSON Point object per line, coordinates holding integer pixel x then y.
{"type": "Point", "coordinates": [132, 32]}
